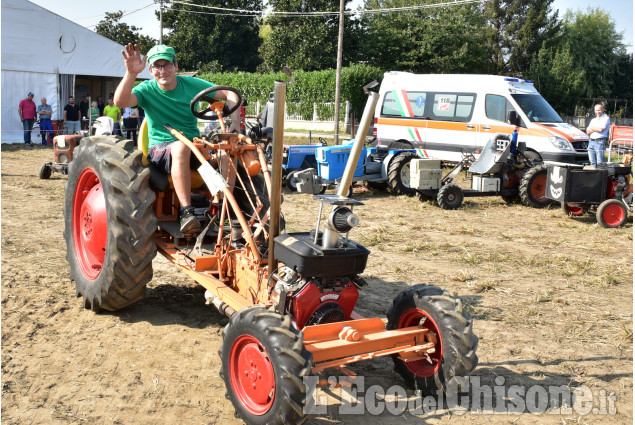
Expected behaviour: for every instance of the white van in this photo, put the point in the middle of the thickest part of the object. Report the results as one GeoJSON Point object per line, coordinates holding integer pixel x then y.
{"type": "Point", "coordinates": [443, 116]}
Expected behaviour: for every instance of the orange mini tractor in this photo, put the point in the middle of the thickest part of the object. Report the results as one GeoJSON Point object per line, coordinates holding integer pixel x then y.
{"type": "Point", "coordinates": [290, 297]}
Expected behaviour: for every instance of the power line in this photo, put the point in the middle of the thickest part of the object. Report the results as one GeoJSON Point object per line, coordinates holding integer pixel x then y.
{"type": "Point", "coordinates": [125, 14]}
{"type": "Point", "coordinates": [263, 13]}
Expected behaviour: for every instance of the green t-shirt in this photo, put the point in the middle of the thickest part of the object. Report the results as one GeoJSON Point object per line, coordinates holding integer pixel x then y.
{"type": "Point", "coordinates": [170, 107]}
{"type": "Point", "coordinates": [112, 112]}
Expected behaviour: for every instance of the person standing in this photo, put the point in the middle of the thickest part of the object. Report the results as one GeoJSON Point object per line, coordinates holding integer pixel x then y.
{"type": "Point", "coordinates": [26, 110]}
{"type": "Point", "coordinates": [100, 105]}
{"type": "Point", "coordinates": [113, 112]}
{"type": "Point", "coordinates": [166, 99]}
{"type": "Point", "coordinates": [598, 131]}
{"type": "Point", "coordinates": [83, 108]}
{"type": "Point", "coordinates": [130, 123]}
{"type": "Point", "coordinates": [46, 125]}
{"type": "Point", "coordinates": [72, 116]}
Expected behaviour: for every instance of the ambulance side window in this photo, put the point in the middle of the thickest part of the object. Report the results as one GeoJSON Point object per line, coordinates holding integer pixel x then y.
{"type": "Point", "coordinates": [399, 103]}
{"type": "Point", "coordinates": [453, 106]}
{"type": "Point", "coordinates": [497, 107]}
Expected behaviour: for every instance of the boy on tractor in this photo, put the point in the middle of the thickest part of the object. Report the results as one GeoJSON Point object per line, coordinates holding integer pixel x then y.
{"type": "Point", "coordinates": [167, 99]}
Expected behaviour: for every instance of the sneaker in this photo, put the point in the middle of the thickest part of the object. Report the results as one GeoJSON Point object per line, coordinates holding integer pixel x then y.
{"type": "Point", "coordinates": [189, 222]}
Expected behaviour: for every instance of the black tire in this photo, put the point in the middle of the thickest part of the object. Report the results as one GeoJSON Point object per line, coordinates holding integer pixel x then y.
{"type": "Point", "coordinates": [450, 197]}
{"type": "Point", "coordinates": [611, 213]}
{"type": "Point", "coordinates": [399, 174]}
{"type": "Point", "coordinates": [267, 348]}
{"type": "Point", "coordinates": [45, 171]}
{"type": "Point", "coordinates": [109, 223]}
{"type": "Point", "coordinates": [573, 210]}
{"type": "Point", "coordinates": [533, 187]}
{"type": "Point", "coordinates": [445, 318]}
{"type": "Point", "coordinates": [291, 183]}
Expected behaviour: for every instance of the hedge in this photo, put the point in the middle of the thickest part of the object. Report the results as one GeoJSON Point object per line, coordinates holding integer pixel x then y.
{"type": "Point", "coordinates": [309, 87]}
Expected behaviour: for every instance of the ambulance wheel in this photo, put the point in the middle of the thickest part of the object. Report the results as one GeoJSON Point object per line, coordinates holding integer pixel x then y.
{"type": "Point", "coordinates": [572, 210]}
{"type": "Point", "coordinates": [109, 223]}
{"type": "Point", "coordinates": [612, 213]}
{"type": "Point", "coordinates": [399, 174]}
{"type": "Point", "coordinates": [533, 187]}
{"type": "Point", "coordinates": [45, 171]}
{"type": "Point", "coordinates": [449, 328]}
{"type": "Point", "coordinates": [263, 362]}
{"type": "Point", "coordinates": [450, 197]}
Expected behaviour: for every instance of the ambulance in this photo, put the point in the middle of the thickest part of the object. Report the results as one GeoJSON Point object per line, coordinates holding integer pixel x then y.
{"type": "Point", "coordinates": [446, 116]}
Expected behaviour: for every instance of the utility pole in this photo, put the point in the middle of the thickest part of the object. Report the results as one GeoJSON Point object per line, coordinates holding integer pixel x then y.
{"type": "Point", "coordinates": [161, 22]}
{"type": "Point", "coordinates": [338, 75]}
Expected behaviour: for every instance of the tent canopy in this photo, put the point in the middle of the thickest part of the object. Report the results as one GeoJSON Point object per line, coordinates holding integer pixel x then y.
{"type": "Point", "coordinates": [38, 47]}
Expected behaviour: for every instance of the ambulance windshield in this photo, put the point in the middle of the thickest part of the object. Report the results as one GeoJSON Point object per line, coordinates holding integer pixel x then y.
{"type": "Point", "coordinates": [536, 108]}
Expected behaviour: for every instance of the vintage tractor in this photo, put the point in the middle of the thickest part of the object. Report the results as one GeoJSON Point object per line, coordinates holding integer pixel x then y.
{"type": "Point", "coordinates": [606, 190]}
{"type": "Point", "coordinates": [290, 297]}
{"type": "Point", "coordinates": [64, 145]}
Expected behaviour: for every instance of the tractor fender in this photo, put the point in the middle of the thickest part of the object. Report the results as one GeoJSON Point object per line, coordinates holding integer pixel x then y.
{"type": "Point", "coordinates": [385, 164]}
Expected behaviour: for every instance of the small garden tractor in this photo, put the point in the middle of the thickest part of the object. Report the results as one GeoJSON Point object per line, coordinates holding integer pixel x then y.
{"type": "Point", "coordinates": [607, 190]}
{"type": "Point", "coordinates": [290, 297]}
{"type": "Point", "coordinates": [64, 145]}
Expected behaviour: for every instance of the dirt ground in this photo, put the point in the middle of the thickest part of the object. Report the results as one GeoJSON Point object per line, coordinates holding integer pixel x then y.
{"type": "Point", "coordinates": [551, 297]}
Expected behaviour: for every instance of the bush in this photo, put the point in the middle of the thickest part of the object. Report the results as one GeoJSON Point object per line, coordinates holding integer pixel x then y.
{"type": "Point", "coordinates": [309, 87]}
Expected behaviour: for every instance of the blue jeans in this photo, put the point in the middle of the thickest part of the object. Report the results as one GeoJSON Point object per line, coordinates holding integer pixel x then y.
{"type": "Point", "coordinates": [596, 152]}
{"type": "Point", "coordinates": [46, 128]}
{"type": "Point", "coordinates": [27, 126]}
{"type": "Point", "coordinates": [73, 127]}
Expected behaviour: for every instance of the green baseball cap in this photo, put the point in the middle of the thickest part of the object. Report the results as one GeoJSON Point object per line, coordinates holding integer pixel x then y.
{"type": "Point", "coordinates": [161, 51]}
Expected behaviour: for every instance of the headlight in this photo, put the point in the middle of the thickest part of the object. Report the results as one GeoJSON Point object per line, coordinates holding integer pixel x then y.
{"type": "Point", "coordinates": [560, 143]}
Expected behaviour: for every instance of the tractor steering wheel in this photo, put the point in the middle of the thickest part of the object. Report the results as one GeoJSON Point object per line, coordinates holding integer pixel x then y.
{"type": "Point", "coordinates": [205, 95]}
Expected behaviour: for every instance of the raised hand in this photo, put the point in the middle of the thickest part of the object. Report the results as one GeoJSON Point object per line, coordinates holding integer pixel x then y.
{"type": "Point", "coordinates": [132, 59]}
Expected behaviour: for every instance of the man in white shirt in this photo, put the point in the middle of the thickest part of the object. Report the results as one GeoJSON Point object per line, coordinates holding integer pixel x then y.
{"type": "Point", "coordinates": [598, 131]}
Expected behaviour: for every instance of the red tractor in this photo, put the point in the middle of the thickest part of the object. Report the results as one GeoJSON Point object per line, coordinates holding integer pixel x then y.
{"type": "Point", "coordinates": [290, 297]}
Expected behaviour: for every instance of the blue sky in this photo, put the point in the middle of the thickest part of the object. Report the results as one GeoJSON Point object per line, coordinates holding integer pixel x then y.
{"type": "Point", "coordinates": [89, 12]}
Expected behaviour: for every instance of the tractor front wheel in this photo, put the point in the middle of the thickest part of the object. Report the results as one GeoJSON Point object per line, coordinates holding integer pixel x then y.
{"type": "Point", "coordinates": [450, 197]}
{"type": "Point", "coordinates": [612, 213]}
{"type": "Point", "coordinates": [399, 174]}
{"type": "Point", "coordinates": [45, 171]}
{"type": "Point", "coordinates": [432, 308]}
{"type": "Point", "coordinates": [109, 223]}
{"type": "Point", "coordinates": [533, 187]}
{"type": "Point", "coordinates": [263, 362]}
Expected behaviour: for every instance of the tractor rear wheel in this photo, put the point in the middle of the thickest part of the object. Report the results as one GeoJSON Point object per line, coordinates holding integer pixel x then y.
{"type": "Point", "coordinates": [533, 187]}
{"type": "Point", "coordinates": [611, 213]}
{"type": "Point", "coordinates": [399, 174]}
{"type": "Point", "coordinates": [450, 197]}
{"type": "Point", "coordinates": [431, 307]}
{"type": "Point", "coordinates": [263, 362]}
{"type": "Point", "coordinates": [109, 223]}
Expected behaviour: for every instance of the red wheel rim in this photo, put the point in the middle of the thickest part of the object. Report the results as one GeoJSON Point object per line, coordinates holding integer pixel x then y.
{"type": "Point", "coordinates": [573, 210]}
{"type": "Point", "coordinates": [538, 187]}
{"type": "Point", "coordinates": [251, 374]}
{"type": "Point", "coordinates": [90, 227]}
{"type": "Point", "coordinates": [423, 368]}
{"type": "Point", "coordinates": [613, 215]}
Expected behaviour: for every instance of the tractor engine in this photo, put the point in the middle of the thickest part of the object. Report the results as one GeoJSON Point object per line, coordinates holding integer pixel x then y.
{"type": "Point", "coordinates": [317, 300]}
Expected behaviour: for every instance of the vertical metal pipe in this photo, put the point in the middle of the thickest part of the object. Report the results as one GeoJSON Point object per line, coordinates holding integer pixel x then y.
{"type": "Point", "coordinates": [329, 238]}
{"type": "Point", "coordinates": [276, 169]}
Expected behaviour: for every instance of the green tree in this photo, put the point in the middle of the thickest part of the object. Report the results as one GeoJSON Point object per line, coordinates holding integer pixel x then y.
{"type": "Point", "coordinates": [557, 77]}
{"type": "Point", "coordinates": [305, 42]}
{"type": "Point", "coordinates": [597, 47]}
{"type": "Point", "coordinates": [437, 40]}
{"type": "Point", "coordinates": [111, 27]}
{"type": "Point", "coordinates": [517, 30]}
{"type": "Point", "coordinates": [211, 39]}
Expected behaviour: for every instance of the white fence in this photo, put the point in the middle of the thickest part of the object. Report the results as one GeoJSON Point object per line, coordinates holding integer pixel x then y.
{"type": "Point", "coordinates": [322, 112]}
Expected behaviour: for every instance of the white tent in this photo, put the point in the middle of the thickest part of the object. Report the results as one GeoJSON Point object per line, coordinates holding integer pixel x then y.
{"type": "Point", "coordinates": [43, 53]}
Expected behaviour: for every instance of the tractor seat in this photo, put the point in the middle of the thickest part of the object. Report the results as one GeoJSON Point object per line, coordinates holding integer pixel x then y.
{"type": "Point", "coordinates": [158, 179]}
